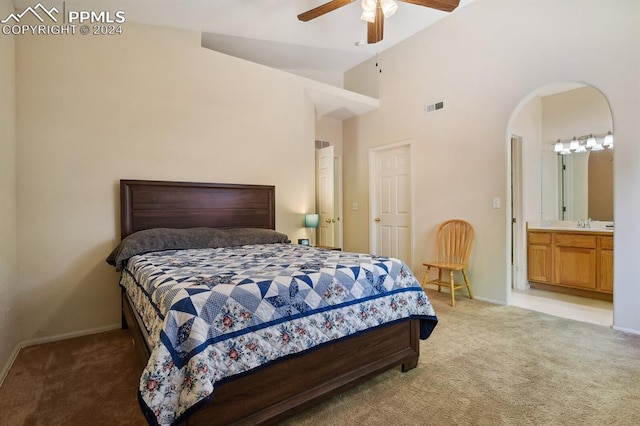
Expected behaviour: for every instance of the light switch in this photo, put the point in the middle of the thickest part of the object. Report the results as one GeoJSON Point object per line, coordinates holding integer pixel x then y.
{"type": "Point", "coordinates": [354, 206]}
{"type": "Point", "coordinates": [496, 202]}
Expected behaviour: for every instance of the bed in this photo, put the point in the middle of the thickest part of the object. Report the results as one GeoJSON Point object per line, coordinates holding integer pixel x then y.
{"type": "Point", "coordinates": [269, 385]}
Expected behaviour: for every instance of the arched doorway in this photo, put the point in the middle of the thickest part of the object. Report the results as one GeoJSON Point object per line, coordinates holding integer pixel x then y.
{"type": "Point", "coordinates": [549, 192]}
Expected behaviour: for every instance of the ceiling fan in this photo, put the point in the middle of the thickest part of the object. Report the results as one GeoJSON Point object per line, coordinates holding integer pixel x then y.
{"type": "Point", "coordinates": [374, 12]}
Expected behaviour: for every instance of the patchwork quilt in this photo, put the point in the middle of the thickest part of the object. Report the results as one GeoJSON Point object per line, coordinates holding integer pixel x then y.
{"type": "Point", "coordinates": [215, 313]}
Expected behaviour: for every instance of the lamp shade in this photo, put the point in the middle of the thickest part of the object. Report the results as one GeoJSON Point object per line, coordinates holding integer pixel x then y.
{"type": "Point", "coordinates": [369, 5]}
{"type": "Point", "coordinates": [558, 147]}
{"type": "Point", "coordinates": [389, 7]}
{"type": "Point", "coordinates": [311, 220]}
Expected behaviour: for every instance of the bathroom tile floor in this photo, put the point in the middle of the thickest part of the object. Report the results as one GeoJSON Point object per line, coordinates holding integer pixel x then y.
{"type": "Point", "coordinates": [564, 305]}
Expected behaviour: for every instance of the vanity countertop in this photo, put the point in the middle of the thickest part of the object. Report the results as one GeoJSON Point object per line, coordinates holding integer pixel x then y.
{"type": "Point", "coordinates": [595, 226]}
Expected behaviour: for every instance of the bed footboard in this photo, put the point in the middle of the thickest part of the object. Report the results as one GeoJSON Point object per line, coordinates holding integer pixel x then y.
{"type": "Point", "coordinates": [289, 386]}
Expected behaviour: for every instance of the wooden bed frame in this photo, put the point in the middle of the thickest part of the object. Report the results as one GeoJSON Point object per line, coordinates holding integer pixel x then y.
{"type": "Point", "coordinates": [285, 387]}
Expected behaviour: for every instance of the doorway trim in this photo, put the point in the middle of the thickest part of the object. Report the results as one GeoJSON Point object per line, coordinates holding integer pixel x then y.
{"type": "Point", "coordinates": [518, 230]}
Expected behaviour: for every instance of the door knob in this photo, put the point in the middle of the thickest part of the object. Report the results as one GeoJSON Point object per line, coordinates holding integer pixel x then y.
{"type": "Point", "coordinates": [333, 221]}
{"type": "Point", "coordinates": [377, 219]}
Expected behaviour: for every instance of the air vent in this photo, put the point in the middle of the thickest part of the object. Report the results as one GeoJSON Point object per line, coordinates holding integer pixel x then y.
{"type": "Point", "coordinates": [434, 107]}
{"type": "Point", "coordinates": [322, 144]}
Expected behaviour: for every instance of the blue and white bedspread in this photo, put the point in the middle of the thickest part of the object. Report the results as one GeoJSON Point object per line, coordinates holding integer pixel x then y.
{"type": "Point", "coordinates": [215, 313]}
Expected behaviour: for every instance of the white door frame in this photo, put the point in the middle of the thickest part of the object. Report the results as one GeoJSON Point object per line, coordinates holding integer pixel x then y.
{"type": "Point", "coordinates": [372, 194]}
{"type": "Point", "coordinates": [518, 232]}
{"type": "Point", "coordinates": [338, 198]}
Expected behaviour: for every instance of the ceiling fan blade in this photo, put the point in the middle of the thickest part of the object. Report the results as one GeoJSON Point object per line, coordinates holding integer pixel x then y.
{"type": "Point", "coordinates": [322, 9]}
{"type": "Point", "coordinates": [375, 30]}
{"type": "Point", "coordinates": [444, 5]}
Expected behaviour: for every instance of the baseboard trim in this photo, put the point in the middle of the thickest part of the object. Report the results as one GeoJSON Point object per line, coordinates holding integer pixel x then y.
{"type": "Point", "coordinates": [626, 330]}
{"type": "Point", "coordinates": [9, 363]}
{"type": "Point", "coordinates": [494, 301]}
{"type": "Point", "coordinates": [64, 336]}
{"type": "Point", "coordinates": [49, 339]}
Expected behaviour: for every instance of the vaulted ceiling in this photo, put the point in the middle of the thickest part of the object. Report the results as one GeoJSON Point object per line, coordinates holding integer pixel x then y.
{"type": "Point", "coordinates": [268, 31]}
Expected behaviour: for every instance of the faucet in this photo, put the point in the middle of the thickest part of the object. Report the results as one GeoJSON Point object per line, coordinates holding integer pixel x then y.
{"type": "Point", "coordinates": [584, 223]}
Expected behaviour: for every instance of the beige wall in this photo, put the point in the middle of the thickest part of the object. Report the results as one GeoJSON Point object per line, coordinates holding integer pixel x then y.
{"type": "Point", "coordinates": [485, 60]}
{"type": "Point", "coordinates": [576, 113]}
{"type": "Point", "coordinates": [8, 251]}
{"type": "Point", "coordinates": [330, 130]}
{"type": "Point", "coordinates": [150, 104]}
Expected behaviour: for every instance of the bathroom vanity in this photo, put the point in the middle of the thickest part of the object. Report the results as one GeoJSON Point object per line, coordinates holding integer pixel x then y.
{"type": "Point", "coordinates": [568, 259]}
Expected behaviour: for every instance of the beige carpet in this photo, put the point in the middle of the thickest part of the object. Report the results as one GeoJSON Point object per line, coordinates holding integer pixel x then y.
{"type": "Point", "coordinates": [484, 365]}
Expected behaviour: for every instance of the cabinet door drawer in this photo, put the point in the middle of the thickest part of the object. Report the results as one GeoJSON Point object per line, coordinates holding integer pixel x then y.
{"type": "Point", "coordinates": [539, 238]}
{"type": "Point", "coordinates": [575, 267]}
{"type": "Point", "coordinates": [572, 240]}
{"type": "Point", "coordinates": [606, 243]}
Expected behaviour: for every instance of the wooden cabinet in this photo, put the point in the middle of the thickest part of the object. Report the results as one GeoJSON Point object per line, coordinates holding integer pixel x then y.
{"type": "Point", "coordinates": [606, 263]}
{"type": "Point", "coordinates": [576, 262]}
{"type": "Point", "coordinates": [539, 257]}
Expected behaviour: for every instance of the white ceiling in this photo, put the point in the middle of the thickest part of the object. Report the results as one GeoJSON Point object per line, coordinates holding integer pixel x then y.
{"type": "Point", "coordinates": [268, 31]}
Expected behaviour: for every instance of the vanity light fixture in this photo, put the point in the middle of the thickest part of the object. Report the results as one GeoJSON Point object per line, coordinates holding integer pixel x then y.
{"type": "Point", "coordinates": [558, 147]}
{"type": "Point", "coordinates": [584, 143]}
{"type": "Point", "coordinates": [574, 144]}
{"type": "Point", "coordinates": [608, 140]}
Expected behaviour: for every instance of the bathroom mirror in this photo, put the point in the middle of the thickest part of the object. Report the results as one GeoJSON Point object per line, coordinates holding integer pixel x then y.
{"type": "Point", "coordinates": [576, 185]}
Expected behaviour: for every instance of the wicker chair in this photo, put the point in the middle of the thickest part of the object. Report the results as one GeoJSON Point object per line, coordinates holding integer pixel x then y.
{"type": "Point", "coordinates": [454, 241]}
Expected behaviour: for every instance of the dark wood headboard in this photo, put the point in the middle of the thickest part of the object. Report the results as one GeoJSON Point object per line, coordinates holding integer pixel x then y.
{"type": "Point", "coordinates": [148, 204]}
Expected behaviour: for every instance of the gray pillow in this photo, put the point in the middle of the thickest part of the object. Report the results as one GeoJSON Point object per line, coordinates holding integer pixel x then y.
{"type": "Point", "coordinates": [159, 239]}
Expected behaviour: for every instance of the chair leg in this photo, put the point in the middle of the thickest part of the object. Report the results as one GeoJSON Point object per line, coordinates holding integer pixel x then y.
{"type": "Point", "coordinates": [453, 292]}
{"type": "Point", "coordinates": [425, 279]}
{"type": "Point", "coordinates": [467, 283]}
{"type": "Point", "coordinates": [439, 280]}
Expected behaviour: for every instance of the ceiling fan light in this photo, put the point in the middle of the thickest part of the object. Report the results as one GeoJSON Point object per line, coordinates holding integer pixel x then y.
{"type": "Point", "coordinates": [369, 16]}
{"type": "Point", "coordinates": [369, 5]}
{"type": "Point", "coordinates": [389, 7]}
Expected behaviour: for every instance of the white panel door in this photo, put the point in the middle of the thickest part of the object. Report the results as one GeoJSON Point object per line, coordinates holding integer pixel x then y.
{"type": "Point", "coordinates": [391, 206]}
{"type": "Point", "coordinates": [325, 199]}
